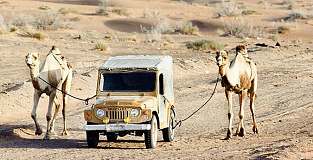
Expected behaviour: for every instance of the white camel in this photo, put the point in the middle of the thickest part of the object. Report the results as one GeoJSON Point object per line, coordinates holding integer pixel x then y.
{"type": "Point", "coordinates": [57, 72]}
{"type": "Point", "coordinates": [239, 76]}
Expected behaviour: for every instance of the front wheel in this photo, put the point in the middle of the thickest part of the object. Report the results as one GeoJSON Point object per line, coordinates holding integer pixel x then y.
{"type": "Point", "coordinates": [151, 135]}
{"type": "Point", "coordinates": [169, 133]}
{"type": "Point", "coordinates": [92, 138]}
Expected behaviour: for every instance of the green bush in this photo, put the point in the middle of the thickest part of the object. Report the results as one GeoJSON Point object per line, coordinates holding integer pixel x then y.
{"type": "Point", "coordinates": [204, 45]}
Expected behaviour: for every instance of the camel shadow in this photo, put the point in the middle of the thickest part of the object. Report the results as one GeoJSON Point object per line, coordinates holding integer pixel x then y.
{"type": "Point", "coordinates": [10, 138]}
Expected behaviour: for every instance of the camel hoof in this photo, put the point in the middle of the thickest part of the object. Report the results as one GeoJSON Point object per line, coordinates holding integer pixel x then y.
{"type": "Point", "coordinates": [241, 133]}
{"type": "Point", "coordinates": [64, 133]}
{"type": "Point", "coordinates": [47, 137]}
{"type": "Point", "coordinates": [255, 130]}
{"type": "Point", "coordinates": [38, 131]}
{"type": "Point", "coordinates": [229, 136]}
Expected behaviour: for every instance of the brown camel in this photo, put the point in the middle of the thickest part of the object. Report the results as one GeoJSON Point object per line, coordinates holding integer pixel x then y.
{"type": "Point", "coordinates": [56, 71]}
{"type": "Point", "coordinates": [239, 76]}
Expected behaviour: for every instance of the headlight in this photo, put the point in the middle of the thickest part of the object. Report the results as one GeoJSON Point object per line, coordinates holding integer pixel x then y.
{"type": "Point", "coordinates": [134, 112]}
{"type": "Point", "coordinates": [100, 113]}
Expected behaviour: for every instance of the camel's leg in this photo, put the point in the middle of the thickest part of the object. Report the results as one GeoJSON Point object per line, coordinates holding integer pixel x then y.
{"type": "Point", "coordinates": [66, 88]}
{"type": "Point", "coordinates": [49, 114]}
{"type": "Point", "coordinates": [252, 100]}
{"type": "Point", "coordinates": [34, 114]}
{"type": "Point", "coordinates": [241, 130]}
{"type": "Point", "coordinates": [230, 113]}
{"type": "Point", "coordinates": [57, 107]}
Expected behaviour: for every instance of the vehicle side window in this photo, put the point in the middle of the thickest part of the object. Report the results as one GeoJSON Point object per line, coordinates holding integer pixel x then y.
{"type": "Point", "coordinates": [161, 84]}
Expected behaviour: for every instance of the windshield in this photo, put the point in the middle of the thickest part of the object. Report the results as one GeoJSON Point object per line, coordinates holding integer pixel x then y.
{"type": "Point", "coordinates": [127, 82]}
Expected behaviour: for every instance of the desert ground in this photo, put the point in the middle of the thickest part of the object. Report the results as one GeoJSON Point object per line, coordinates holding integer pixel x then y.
{"type": "Point", "coordinates": [284, 104]}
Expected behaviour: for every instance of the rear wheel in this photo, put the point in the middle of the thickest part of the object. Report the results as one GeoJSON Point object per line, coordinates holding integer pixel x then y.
{"type": "Point", "coordinates": [92, 138]}
{"type": "Point", "coordinates": [151, 135]}
{"type": "Point", "coordinates": [169, 133]}
{"type": "Point", "coordinates": [112, 137]}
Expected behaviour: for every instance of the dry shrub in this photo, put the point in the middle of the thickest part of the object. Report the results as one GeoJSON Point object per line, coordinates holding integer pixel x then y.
{"type": "Point", "coordinates": [102, 45]}
{"type": "Point", "coordinates": [204, 45]}
{"type": "Point", "coordinates": [128, 39]}
{"type": "Point", "coordinates": [3, 30]}
{"type": "Point", "coordinates": [13, 29]}
{"type": "Point", "coordinates": [45, 8]}
{"type": "Point", "coordinates": [67, 10]}
{"type": "Point", "coordinates": [283, 29]}
{"type": "Point", "coordinates": [155, 14]}
{"type": "Point", "coordinates": [152, 35]}
{"type": "Point", "coordinates": [5, 3]}
{"type": "Point", "coordinates": [289, 4]}
{"type": "Point", "coordinates": [241, 27]}
{"type": "Point", "coordinates": [227, 9]}
{"type": "Point", "coordinates": [92, 34]}
{"type": "Point", "coordinates": [273, 38]}
{"type": "Point", "coordinates": [189, 29]}
{"type": "Point", "coordinates": [250, 12]}
{"type": "Point", "coordinates": [102, 12]}
{"type": "Point", "coordinates": [103, 8]}
{"type": "Point", "coordinates": [75, 19]}
{"type": "Point", "coordinates": [23, 20]}
{"type": "Point", "coordinates": [120, 11]}
{"type": "Point", "coordinates": [44, 21]}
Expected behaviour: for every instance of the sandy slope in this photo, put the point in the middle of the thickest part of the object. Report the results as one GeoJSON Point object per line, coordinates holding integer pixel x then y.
{"type": "Point", "coordinates": [284, 104]}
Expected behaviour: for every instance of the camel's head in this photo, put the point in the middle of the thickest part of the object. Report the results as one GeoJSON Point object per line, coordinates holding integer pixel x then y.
{"type": "Point", "coordinates": [222, 58]}
{"type": "Point", "coordinates": [55, 50]}
{"type": "Point", "coordinates": [32, 59]}
{"type": "Point", "coordinates": [241, 49]}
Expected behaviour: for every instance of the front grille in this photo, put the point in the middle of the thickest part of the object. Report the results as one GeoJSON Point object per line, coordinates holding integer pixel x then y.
{"type": "Point", "coordinates": [117, 115]}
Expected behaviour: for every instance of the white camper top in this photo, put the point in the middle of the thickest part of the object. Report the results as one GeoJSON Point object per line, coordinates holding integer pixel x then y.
{"type": "Point", "coordinates": [147, 62]}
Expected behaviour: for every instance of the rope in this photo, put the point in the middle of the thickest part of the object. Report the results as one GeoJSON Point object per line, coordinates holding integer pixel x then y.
{"type": "Point", "coordinates": [85, 100]}
{"type": "Point", "coordinates": [179, 123]}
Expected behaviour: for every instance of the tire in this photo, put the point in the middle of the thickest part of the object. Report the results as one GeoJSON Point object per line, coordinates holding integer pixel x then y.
{"type": "Point", "coordinates": [111, 137]}
{"type": "Point", "coordinates": [151, 135]}
{"type": "Point", "coordinates": [169, 133]}
{"type": "Point", "coordinates": [92, 138]}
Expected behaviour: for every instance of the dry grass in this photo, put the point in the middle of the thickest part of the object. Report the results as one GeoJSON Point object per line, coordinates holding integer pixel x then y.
{"type": "Point", "coordinates": [102, 46]}
{"type": "Point", "coordinates": [34, 33]}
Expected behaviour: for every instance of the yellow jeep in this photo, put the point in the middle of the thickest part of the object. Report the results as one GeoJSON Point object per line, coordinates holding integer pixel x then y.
{"type": "Point", "coordinates": [134, 96]}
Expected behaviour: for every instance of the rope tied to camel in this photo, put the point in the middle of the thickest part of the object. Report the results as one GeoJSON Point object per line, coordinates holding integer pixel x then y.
{"type": "Point", "coordinates": [179, 123]}
{"type": "Point", "coordinates": [81, 99]}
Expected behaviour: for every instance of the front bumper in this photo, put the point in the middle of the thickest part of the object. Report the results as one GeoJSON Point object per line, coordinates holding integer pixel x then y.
{"type": "Point", "coordinates": [117, 127]}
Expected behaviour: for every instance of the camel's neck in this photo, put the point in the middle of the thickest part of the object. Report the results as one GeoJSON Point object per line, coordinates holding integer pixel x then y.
{"type": "Point", "coordinates": [230, 72]}
{"type": "Point", "coordinates": [223, 70]}
{"type": "Point", "coordinates": [34, 74]}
